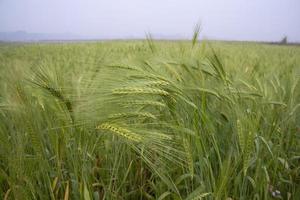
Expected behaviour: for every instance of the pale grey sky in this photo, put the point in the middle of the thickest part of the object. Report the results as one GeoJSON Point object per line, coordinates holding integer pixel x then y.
{"type": "Point", "coordinates": [221, 19]}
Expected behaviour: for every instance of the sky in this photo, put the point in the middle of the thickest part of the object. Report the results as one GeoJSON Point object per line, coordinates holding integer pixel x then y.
{"type": "Point", "coordinates": [260, 20]}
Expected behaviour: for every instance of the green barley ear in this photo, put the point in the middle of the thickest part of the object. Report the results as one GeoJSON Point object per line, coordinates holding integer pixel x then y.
{"type": "Point", "coordinates": [243, 143]}
{"type": "Point", "coordinates": [138, 90]}
{"type": "Point", "coordinates": [120, 131]}
{"type": "Point", "coordinates": [35, 140]}
{"type": "Point", "coordinates": [189, 156]}
{"type": "Point", "coordinates": [196, 34]}
{"type": "Point", "coordinates": [216, 63]}
{"type": "Point", "coordinates": [241, 136]}
{"type": "Point", "coordinates": [142, 103]}
{"type": "Point", "coordinates": [150, 42]}
{"type": "Point", "coordinates": [133, 114]}
{"type": "Point", "coordinates": [246, 142]}
{"type": "Point", "coordinates": [248, 151]}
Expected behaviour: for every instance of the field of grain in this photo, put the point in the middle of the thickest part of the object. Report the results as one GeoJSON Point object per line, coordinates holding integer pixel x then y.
{"type": "Point", "coordinates": [149, 120]}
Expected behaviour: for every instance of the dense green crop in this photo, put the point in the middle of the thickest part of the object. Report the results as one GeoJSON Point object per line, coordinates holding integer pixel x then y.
{"type": "Point", "coordinates": [149, 120]}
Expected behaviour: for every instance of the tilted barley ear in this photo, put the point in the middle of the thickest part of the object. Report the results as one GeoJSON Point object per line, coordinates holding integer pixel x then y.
{"type": "Point", "coordinates": [120, 131]}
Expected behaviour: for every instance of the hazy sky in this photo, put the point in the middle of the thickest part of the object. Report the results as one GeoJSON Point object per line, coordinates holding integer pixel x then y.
{"type": "Point", "coordinates": [221, 19]}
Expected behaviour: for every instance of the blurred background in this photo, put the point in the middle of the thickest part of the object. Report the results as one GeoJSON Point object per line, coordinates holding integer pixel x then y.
{"type": "Point", "coordinates": [256, 20]}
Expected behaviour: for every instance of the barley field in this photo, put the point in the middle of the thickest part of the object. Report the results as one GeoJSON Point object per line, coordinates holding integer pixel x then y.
{"type": "Point", "coordinates": [149, 119]}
